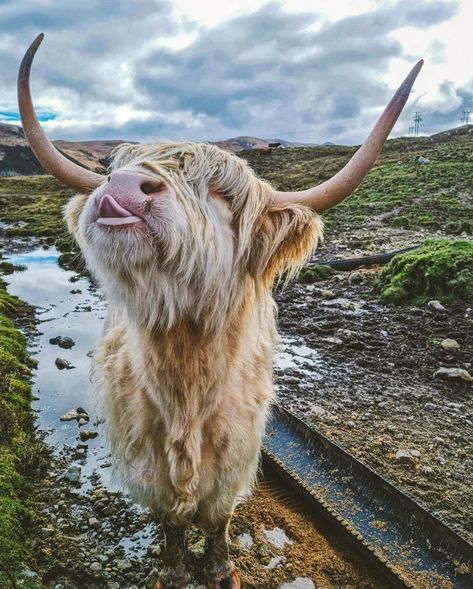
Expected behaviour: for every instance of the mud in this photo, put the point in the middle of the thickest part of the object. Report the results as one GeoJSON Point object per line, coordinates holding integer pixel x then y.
{"type": "Point", "coordinates": [374, 390]}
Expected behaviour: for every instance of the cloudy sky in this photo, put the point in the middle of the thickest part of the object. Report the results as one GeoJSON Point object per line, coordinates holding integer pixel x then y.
{"type": "Point", "coordinates": [303, 70]}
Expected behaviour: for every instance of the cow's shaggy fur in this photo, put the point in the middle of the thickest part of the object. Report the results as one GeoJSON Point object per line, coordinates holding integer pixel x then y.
{"type": "Point", "coordinates": [184, 368]}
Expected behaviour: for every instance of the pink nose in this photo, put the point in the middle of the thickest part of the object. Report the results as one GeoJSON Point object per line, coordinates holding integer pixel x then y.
{"type": "Point", "coordinates": [124, 199]}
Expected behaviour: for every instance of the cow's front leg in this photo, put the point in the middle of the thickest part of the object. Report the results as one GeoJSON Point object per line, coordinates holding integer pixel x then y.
{"type": "Point", "coordinates": [174, 574]}
{"type": "Point", "coordinates": [219, 570]}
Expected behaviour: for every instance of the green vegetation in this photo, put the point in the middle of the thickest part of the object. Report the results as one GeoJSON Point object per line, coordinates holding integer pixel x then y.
{"type": "Point", "coordinates": [314, 273]}
{"type": "Point", "coordinates": [399, 191]}
{"type": "Point", "coordinates": [440, 269]}
{"type": "Point", "coordinates": [21, 454]}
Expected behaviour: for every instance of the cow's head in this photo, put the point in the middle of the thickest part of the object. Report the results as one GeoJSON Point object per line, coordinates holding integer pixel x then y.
{"type": "Point", "coordinates": [183, 232]}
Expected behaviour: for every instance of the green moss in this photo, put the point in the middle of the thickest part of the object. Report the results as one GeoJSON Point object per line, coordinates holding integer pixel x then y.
{"type": "Point", "coordinates": [314, 273]}
{"type": "Point", "coordinates": [21, 454]}
{"type": "Point", "coordinates": [440, 269]}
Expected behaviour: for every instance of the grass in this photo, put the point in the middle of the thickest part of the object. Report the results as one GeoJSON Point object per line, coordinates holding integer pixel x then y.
{"type": "Point", "coordinates": [440, 269]}
{"type": "Point", "coordinates": [399, 191]}
{"type": "Point", "coordinates": [21, 454]}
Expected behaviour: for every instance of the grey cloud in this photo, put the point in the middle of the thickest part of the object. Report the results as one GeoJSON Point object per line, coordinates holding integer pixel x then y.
{"type": "Point", "coordinates": [261, 73]}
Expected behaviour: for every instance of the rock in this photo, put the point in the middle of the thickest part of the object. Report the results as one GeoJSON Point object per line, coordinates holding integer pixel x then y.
{"type": "Point", "coordinates": [78, 413]}
{"type": "Point", "coordinates": [427, 470]}
{"type": "Point", "coordinates": [430, 406]}
{"type": "Point", "coordinates": [113, 585]}
{"type": "Point", "coordinates": [454, 373]}
{"type": "Point", "coordinates": [63, 342]}
{"type": "Point", "coordinates": [356, 278]}
{"type": "Point", "coordinates": [88, 434]}
{"type": "Point", "coordinates": [299, 583]}
{"type": "Point", "coordinates": [124, 564]}
{"type": "Point", "coordinates": [83, 421]}
{"type": "Point", "coordinates": [450, 344]}
{"type": "Point", "coordinates": [70, 415]}
{"type": "Point", "coordinates": [317, 411]}
{"type": "Point", "coordinates": [95, 567]}
{"type": "Point", "coordinates": [154, 550]}
{"type": "Point", "coordinates": [62, 363]}
{"type": "Point", "coordinates": [406, 455]}
{"type": "Point", "coordinates": [327, 294]}
{"type": "Point", "coordinates": [423, 160]}
{"type": "Point", "coordinates": [198, 548]}
{"type": "Point", "coordinates": [333, 340]}
{"type": "Point", "coordinates": [437, 305]}
{"type": "Point", "coordinates": [72, 474]}
{"type": "Point", "coordinates": [94, 522]}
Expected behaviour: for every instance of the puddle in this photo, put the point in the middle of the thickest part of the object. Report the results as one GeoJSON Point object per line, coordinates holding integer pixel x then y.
{"type": "Point", "coordinates": [246, 540]}
{"type": "Point", "coordinates": [293, 353]}
{"type": "Point", "coordinates": [78, 316]}
{"type": "Point", "coordinates": [277, 537]}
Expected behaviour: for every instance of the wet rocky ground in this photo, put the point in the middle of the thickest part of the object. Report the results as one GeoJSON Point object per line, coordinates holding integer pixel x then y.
{"type": "Point", "coordinates": [380, 387]}
{"type": "Point", "coordinates": [89, 533]}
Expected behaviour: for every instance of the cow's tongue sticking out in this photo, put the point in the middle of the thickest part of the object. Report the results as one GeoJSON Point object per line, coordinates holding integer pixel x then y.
{"type": "Point", "coordinates": [112, 213]}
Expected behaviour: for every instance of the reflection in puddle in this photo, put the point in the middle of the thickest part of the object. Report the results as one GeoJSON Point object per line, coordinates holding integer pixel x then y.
{"type": "Point", "coordinates": [294, 354]}
{"type": "Point", "coordinates": [48, 287]}
{"type": "Point", "coordinates": [277, 537]}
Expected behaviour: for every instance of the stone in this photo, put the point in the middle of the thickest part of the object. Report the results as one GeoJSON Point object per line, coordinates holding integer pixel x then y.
{"type": "Point", "coordinates": [299, 583]}
{"type": "Point", "coordinates": [437, 305]}
{"type": "Point", "coordinates": [63, 342]}
{"type": "Point", "coordinates": [406, 455]}
{"type": "Point", "coordinates": [461, 373]}
{"type": "Point", "coordinates": [87, 434]}
{"type": "Point", "coordinates": [423, 160]}
{"type": "Point", "coordinates": [450, 344]}
{"type": "Point", "coordinates": [70, 415]}
{"type": "Point", "coordinates": [94, 522]}
{"type": "Point", "coordinates": [154, 550]}
{"type": "Point", "coordinates": [62, 363]}
{"type": "Point", "coordinates": [198, 548]}
{"type": "Point", "coordinates": [73, 473]}
{"type": "Point", "coordinates": [124, 564]}
{"type": "Point", "coordinates": [95, 567]}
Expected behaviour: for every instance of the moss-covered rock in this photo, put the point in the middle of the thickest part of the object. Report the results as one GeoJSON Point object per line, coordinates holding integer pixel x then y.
{"type": "Point", "coordinates": [314, 273]}
{"type": "Point", "coordinates": [440, 269]}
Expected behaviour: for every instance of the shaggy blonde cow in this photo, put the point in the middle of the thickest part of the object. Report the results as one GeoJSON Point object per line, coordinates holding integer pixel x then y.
{"type": "Point", "coordinates": [186, 242]}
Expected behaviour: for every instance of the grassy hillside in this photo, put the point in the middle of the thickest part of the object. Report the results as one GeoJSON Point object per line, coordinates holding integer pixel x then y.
{"type": "Point", "coordinates": [399, 191]}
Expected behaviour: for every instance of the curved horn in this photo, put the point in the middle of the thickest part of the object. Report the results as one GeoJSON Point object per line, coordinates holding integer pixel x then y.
{"type": "Point", "coordinates": [330, 193]}
{"type": "Point", "coordinates": [51, 159]}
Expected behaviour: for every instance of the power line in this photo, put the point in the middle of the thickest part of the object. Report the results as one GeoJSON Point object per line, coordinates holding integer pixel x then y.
{"type": "Point", "coordinates": [417, 123]}
{"type": "Point", "coordinates": [466, 116]}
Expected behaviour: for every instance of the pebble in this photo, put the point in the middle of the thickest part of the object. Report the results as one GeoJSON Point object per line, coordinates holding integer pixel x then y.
{"type": "Point", "coordinates": [95, 567]}
{"type": "Point", "coordinates": [450, 344]}
{"type": "Point", "coordinates": [423, 160]}
{"type": "Point", "coordinates": [406, 455]}
{"type": "Point", "coordinates": [299, 583]}
{"type": "Point", "coordinates": [154, 550]}
{"type": "Point", "coordinates": [437, 305]}
{"type": "Point", "coordinates": [454, 373]}
{"type": "Point", "coordinates": [61, 363]}
{"type": "Point", "coordinates": [73, 473]}
{"type": "Point", "coordinates": [87, 434]}
{"type": "Point", "coordinates": [124, 564]}
{"type": "Point", "coordinates": [63, 342]}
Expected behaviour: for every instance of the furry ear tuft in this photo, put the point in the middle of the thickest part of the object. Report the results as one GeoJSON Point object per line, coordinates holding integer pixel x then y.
{"type": "Point", "coordinates": [283, 241]}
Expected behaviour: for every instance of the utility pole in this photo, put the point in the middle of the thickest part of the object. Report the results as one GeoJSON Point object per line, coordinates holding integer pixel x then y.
{"type": "Point", "coordinates": [417, 123]}
{"type": "Point", "coordinates": [411, 131]}
{"type": "Point", "coordinates": [466, 116]}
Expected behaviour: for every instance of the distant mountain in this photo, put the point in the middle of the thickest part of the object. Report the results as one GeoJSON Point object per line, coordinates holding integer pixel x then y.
{"type": "Point", "coordinates": [248, 142]}
{"type": "Point", "coordinates": [17, 159]}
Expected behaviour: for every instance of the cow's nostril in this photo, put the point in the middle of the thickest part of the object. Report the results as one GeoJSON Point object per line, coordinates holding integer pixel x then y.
{"type": "Point", "coordinates": [152, 187]}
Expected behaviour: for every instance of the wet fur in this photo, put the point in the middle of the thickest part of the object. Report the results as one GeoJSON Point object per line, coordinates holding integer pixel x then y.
{"type": "Point", "coordinates": [184, 367]}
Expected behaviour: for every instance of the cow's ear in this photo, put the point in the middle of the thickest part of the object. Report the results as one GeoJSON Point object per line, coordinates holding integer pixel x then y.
{"type": "Point", "coordinates": [283, 240]}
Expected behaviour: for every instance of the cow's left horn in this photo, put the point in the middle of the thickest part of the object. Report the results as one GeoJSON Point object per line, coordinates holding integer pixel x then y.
{"type": "Point", "coordinates": [51, 159]}
{"type": "Point", "coordinates": [328, 194]}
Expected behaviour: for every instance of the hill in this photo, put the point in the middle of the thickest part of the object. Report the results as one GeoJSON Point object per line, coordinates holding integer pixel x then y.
{"type": "Point", "coordinates": [17, 159]}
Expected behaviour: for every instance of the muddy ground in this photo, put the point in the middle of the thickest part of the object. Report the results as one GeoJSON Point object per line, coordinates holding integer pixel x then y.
{"type": "Point", "coordinates": [374, 389]}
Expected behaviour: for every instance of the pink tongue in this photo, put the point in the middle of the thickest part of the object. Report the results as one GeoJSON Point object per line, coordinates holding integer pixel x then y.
{"type": "Point", "coordinates": [108, 207]}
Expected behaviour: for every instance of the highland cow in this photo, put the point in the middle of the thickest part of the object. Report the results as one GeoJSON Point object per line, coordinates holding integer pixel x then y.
{"type": "Point", "coordinates": [186, 243]}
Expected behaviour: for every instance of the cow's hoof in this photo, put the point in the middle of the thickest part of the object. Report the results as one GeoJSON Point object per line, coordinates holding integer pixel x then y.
{"type": "Point", "coordinates": [232, 582]}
